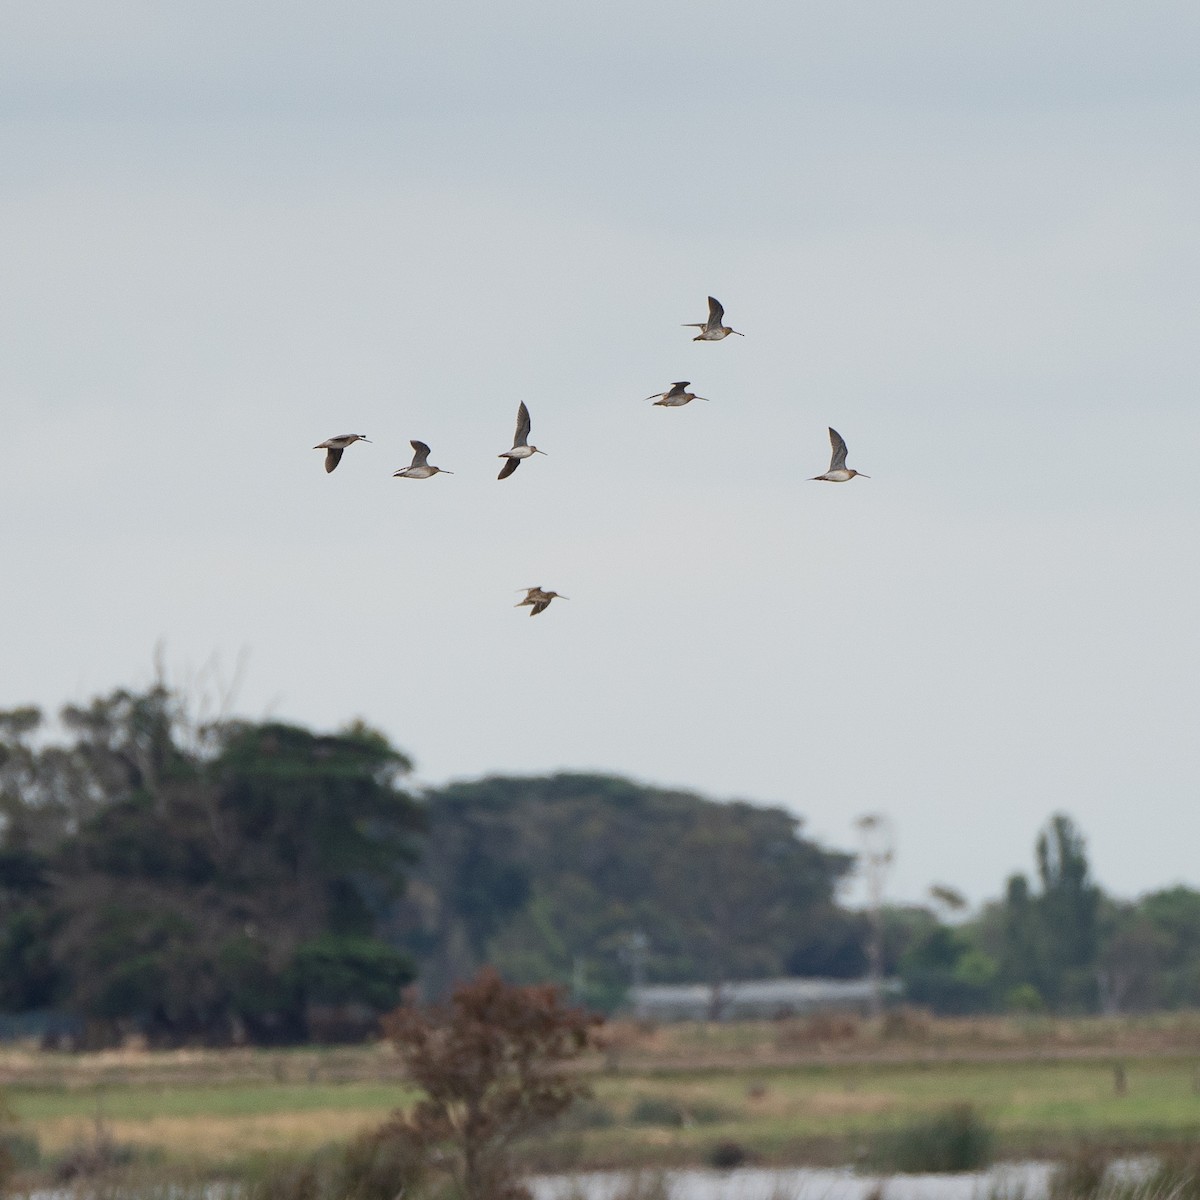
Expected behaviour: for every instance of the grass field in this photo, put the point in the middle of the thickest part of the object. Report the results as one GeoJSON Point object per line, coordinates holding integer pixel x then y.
{"type": "Point", "coordinates": [789, 1093]}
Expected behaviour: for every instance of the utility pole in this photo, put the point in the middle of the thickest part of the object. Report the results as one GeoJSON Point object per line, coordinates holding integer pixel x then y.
{"type": "Point", "coordinates": [636, 945]}
{"type": "Point", "coordinates": [877, 853]}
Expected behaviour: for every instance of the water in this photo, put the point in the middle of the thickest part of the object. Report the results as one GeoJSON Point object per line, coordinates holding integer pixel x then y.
{"type": "Point", "coordinates": [1020, 1181]}
{"type": "Point", "coordinates": [1014, 1181]}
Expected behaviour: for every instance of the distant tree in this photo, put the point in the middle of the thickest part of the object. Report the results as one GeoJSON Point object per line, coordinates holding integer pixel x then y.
{"type": "Point", "coordinates": [492, 1066]}
{"type": "Point", "coordinates": [948, 972]}
{"type": "Point", "coordinates": [833, 946]}
{"type": "Point", "coordinates": [28, 976]}
{"type": "Point", "coordinates": [904, 926]}
{"type": "Point", "coordinates": [204, 882]}
{"type": "Point", "coordinates": [1022, 950]}
{"type": "Point", "coordinates": [1171, 917]}
{"type": "Point", "coordinates": [735, 884]}
{"type": "Point", "coordinates": [1068, 908]}
{"type": "Point", "coordinates": [1130, 962]}
{"type": "Point", "coordinates": [548, 878]}
{"type": "Point", "coordinates": [469, 884]}
{"type": "Point", "coordinates": [1046, 941]}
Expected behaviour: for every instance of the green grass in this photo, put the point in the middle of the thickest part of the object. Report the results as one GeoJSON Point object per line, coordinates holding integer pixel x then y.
{"type": "Point", "coordinates": [139, 1103]}
{"type": "Point", "coordinates": [1027, 1102]}
{"type": "Point", "coordinates": [781, 1113]}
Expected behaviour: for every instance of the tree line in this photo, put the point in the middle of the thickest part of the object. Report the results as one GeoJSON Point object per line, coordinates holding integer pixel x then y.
{"type": "Point", "coordinates": [233, 880]}
{"type": "Point", "coordinates": [220, 882]}
{"type": "Point", "coordinates": [1054, 943]}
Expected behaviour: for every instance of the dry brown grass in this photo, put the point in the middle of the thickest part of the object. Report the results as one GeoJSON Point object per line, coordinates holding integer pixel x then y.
{"type": "Point", "coordinates": [903, 1034]}
{"type": "Point", "coordinates": [780, 1087]}
{"type": "Point", "coordinates": [135, 1065]}
{"type": "Point", "coordinates": [214, 1139]}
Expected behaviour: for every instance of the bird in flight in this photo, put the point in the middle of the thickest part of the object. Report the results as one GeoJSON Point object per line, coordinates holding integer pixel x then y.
{"type": "Point", "coordinates": [712, 330]}
{"type": "Point", "coordinates": [676, 397]}
{"type": "Point", "coordinates": [538, 600]}
{"type": "Point", "coordinates": [334, 446]}
{"type": "Point", "coordinates": [521, 447]}
{"type": "Point", "coordinates": [838, 472]}
{"type": "Point", "coordinates": [419, 468]}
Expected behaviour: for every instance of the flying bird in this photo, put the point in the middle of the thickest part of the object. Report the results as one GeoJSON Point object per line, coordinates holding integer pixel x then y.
{"type": "Point", "coordinates": [420, 468]}
{"type": "Point", "coordinates": [676, 397]}
{"type": "Point", "coordinates": [838, 472]}
{"type": "Point", "coordinates": [334, 446]}
{"type": "Point", "coordinates": [521, 447]}
{"type": "Point", "coordinates": [712, 330]}
{"type": "Point", "coordinates": [538, 600]}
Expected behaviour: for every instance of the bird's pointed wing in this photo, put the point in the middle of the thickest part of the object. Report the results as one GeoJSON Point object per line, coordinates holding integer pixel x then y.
{"type": "Point", "coordinates": [716, 311]}
{"type": "Point", "coordinates": [420, 454]}
{"type": "Point", "coordinates": [656, 396]}
{"type": "Point", "coordinates": [522, 437]}
{"type": "Point", "coordinates": [539, 606]}
{"type": "Point", "coordinates": [510, 465]}
{"type": "Point", "coordinates": [333, 456]}
{"type": "Point", "coordinates": [838, 461]}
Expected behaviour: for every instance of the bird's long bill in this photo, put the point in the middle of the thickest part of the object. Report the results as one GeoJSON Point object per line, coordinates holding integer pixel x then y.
{"type": "Point", "coordinates": [541, 452]}
{"type": "Point", "coordinates": [861, 475]}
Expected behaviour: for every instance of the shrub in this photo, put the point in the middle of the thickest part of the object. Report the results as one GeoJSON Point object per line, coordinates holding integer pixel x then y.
{"type": "Point", "coordinates": [290, 1181]}
{"type": "Point", "coordinates": [380, 1165]}
{"type": "Point", "coordinates": [493, 1067]}
{"type": "Point", "coordinates": [724, 1156]}
{"type": "Point", "coordinates": [955, 1139]}
{"type": "Point", "coordinates": [18, 1150]}
{"type": "Point", "coordinates": [1080, 1176]}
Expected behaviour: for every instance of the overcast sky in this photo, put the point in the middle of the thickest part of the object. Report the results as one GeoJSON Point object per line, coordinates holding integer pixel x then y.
{"type": "Point", "coordinates": [966, 235]}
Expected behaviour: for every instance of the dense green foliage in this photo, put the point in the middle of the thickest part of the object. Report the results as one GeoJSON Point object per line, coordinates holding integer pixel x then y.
{"type": "Point", "coordinates": [956, 1139]}
{"type": "Point", "coordinates": [238, 880]}
{"type": "Point", "coordinates": [1062, 946]}
{"type": "Point", "coordinates": [555, 878]}
{"type": "Point", "coordinates": [204, 883]}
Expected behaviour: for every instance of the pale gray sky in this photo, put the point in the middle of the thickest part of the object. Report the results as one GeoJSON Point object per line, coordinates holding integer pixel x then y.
{"type": "Point", "coordinates": [965, 235]}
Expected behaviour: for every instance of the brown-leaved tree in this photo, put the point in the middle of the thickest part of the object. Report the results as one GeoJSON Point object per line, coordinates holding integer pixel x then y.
{"type": "Point", "coordinates": [492, 1064]}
